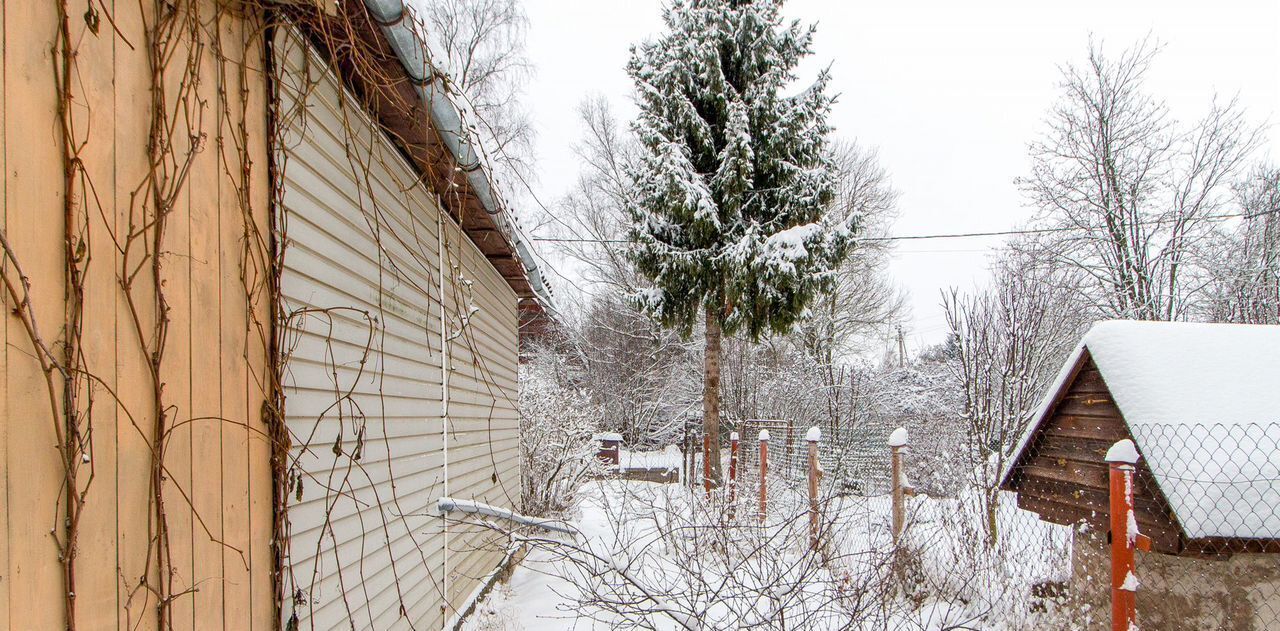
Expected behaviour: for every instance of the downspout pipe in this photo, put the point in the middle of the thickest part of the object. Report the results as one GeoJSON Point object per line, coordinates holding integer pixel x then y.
{"type": "Point", "coordinates": [393, 19]}
{"type": "Point", "coordinates": [448, 505]}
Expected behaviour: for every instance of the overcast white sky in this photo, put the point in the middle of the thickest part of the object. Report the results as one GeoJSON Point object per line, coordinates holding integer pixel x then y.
{"type": "Point", "coordinates": [949, 93]}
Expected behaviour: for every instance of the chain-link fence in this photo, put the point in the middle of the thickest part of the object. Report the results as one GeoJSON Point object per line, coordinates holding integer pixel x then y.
{"type": "Point", "coordinates": [1024, 539]}
{"type": "Point", "coordinates": [1205, 520]}
{"type": "Point", "coordinates": [1031, 548]}
{"type": "Point", "coordinates": [1217, 487]}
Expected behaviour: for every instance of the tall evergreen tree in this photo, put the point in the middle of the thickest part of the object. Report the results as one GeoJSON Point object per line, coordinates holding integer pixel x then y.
{"type": "Point", "coordinates": [733, 185]}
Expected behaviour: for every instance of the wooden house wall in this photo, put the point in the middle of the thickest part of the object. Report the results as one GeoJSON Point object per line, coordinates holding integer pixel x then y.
{"type": "Point", "coordinates": [215, 360]}
{"type": "Point", "coordinates": [216, 256]}
{"type": "Point", "coordinates": [361, 292]}
{"type": "Point", "coordinates": [1062, 475]}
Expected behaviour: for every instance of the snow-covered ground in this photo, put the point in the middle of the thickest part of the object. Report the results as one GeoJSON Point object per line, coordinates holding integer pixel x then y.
{"type": "Point", "coordinates": [659, 556]}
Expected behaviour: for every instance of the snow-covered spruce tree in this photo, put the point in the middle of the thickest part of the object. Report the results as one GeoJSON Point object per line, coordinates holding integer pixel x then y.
{"type": "Point", "coordinates": [733, 186]}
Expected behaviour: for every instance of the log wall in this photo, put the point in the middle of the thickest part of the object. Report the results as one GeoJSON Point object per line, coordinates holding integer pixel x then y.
{"type": "Point", "coordinates": [1062, 476]}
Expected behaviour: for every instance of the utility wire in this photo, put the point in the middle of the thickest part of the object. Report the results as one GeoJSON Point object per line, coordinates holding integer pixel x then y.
{"type": "Point", "coordinates": [959, 235]}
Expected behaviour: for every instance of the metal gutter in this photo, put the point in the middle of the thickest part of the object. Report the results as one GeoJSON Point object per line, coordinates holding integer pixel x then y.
{"type": "Point", "coordinates": [392, 19]}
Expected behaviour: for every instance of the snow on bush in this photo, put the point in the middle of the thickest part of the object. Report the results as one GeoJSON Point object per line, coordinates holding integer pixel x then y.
{"type": "Point", "coordinates": [556, 426]}
{"type": "Point", "coordinates": [663, 556]}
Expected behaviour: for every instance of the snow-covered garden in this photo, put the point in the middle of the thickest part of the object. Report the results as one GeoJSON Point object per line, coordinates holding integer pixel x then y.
{"type": "Point", "coordinates": [649, 555]}
{"type": "Point", "coordinates": [733, 252]}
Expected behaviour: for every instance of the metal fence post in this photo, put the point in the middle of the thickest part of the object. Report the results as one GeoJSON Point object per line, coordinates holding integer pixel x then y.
{"type": "Point", "coordinates": [684, 454]}
{"type": "Point", "coordinates": [764, 474]}
{"type": "Point", "coordinates": [897, 444]}
{"type": "Point", "coordinates": [815, 473]}
{"type": "Point", "coordinates": [706, 465]}
{"type": "Point", "coordinates": [789, 452]}
{"type": "Point", "coordinates": [733, 469]}
{"type": "Point", "coordinates": [1121, 459]}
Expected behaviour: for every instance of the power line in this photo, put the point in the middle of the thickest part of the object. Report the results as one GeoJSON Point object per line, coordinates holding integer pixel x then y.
{"type": "Point", "coordinates": [957, 235]}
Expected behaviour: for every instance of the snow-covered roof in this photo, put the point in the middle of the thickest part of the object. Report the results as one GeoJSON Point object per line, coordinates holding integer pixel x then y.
{"type": "Point", "coordinates": [1189, 373]}
{"type": "Point", "coordinates": [1198, 400]}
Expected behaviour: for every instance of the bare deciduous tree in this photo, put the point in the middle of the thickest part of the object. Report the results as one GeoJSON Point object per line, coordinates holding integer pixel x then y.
{"type": "Point", "coordinates": [480, 45]}
{"type": "Point", "coordinates": [642, 378]}
{"type": "Point", "coordinates": [864, 302]}
{"type": "Point", "coordinates": [593, 215]}
{"type": "Point", "coordinates": [1131, 191]}
{"type": "Point", "coordinates": [1244, 265]}
{"type": "Point", "coordinates": [1010, 341]}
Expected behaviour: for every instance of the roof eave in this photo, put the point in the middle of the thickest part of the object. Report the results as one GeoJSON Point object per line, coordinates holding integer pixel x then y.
{"type": "Point", "coordinates": [439, 146]}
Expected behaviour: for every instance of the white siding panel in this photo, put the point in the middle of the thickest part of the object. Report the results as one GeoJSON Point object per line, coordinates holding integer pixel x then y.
{"type": "Point", "coordinates": [363, 373]}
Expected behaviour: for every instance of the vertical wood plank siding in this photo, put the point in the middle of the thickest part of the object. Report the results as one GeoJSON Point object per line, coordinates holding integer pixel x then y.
{"type": "Point", "coordinates": [218, 486]}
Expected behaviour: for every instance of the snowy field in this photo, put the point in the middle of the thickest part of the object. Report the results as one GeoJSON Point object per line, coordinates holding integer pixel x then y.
{"type": "Point", "coordinates": [659, 556]}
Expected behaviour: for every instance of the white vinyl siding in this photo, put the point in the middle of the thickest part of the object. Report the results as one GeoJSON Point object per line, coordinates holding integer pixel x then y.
{"type": "Point", "coordinates": [363, 344]}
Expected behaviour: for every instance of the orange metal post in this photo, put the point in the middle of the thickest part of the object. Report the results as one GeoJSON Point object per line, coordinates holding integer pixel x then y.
{"type": "Point", "coordinates": [1124, 537]}
{"type": "Point", "coordinates": [764, 474]}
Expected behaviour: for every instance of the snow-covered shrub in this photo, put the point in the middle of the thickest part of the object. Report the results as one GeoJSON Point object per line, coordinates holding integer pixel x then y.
{"type": "Point", "coordinates": [556, 426]}
{"type": "Point", "coordinates": [644, 555]}
{"type": "Point", "coordinates": [661, 556]}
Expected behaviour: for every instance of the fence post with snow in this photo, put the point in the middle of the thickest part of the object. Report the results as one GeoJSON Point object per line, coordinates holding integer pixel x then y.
{"type": "Point", "coordinates": [815, 474]}
{"type": "Point", "coordinates": [1125, 538]}
{"type": "Point", "coordinates": [764, 474]}
{"type": "Point", "coordinates": [897, 445]}
{"type": "Point", "coordinates": [689, 453]}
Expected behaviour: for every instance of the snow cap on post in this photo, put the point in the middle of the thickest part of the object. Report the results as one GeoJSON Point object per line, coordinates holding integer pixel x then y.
{"type": "Point", "coordinates": [813, 435]}
{"type": "Point", "coordinates": [1123, 451]}
{"type": "Point", "coordinates": [733, 435]}
{"type": "Point", "coordinates": [764, 435]}
{"type": "Point", "coordinates": [898, 438]}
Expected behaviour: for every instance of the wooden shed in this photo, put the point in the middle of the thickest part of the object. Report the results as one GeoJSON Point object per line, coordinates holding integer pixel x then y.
{"type": "Point", "coordinates": [261, 317]}
{"type": "Point", "coordinates": [1200, 401]}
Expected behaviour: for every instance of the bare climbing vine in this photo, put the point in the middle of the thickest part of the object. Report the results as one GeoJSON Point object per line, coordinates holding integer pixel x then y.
{"type": "Point", "coordinates": [176, 39]}
{"type": "Point", "coordinates": [403, 253]}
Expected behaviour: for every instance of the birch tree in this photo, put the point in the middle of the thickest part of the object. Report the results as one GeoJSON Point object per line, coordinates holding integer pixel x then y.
{"type": "Point", "coordinates": [480, 45]}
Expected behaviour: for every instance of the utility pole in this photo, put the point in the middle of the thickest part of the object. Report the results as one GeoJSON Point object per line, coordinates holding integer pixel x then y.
{"type": "Point", "coordinates": [902, 348]}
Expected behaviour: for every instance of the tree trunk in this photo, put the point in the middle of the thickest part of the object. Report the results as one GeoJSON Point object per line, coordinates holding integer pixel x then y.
{"type": "Point", "coordinates": [711, 395]}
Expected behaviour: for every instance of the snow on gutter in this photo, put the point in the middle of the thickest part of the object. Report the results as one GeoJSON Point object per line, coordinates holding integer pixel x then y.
{"type": "Point", "coordinates": [392, 18]}
{"type": "Point", "coordinates": [448, 505]}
